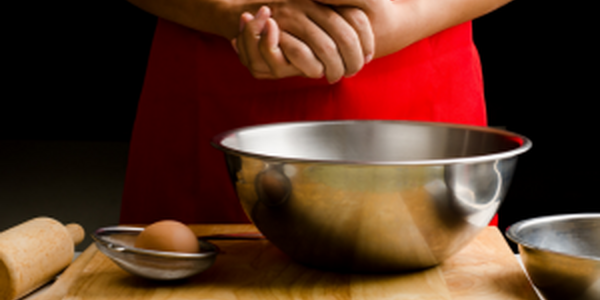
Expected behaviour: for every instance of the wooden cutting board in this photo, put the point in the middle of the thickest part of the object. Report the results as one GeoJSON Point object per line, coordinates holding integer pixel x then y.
{"type": "Point", "coordinates": [485, 269]}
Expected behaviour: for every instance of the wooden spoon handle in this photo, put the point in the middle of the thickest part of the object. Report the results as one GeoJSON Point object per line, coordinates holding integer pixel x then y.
{"type": "Point", "coordinates": [60, 288]}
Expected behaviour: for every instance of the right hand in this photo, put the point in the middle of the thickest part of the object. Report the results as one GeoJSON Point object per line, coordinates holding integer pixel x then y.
{"type": "Point", "coordinates": [341, 39]}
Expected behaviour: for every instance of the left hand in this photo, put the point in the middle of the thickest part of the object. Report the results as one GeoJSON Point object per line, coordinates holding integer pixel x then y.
{"type": "Point", "coordinates": [261, 44]}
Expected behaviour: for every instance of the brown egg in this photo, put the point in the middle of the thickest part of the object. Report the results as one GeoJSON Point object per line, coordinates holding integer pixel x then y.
{"type": "Point", "coordinates": [168, 235]}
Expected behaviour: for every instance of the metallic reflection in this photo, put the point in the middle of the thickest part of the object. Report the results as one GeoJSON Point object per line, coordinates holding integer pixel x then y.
{"type": "Point", "coordinates": [370, 196]}
{"type": "Point", "coordinates": [561, 254]}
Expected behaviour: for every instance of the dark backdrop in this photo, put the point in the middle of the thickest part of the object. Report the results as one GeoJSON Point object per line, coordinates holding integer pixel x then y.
{"type": "Point", "coordinates": [74, 71]}
{"type": "Point", "coordinates": [539, 65]}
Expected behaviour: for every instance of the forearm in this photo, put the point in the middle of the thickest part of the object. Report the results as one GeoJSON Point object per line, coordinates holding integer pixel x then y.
{"type": "Point", "coordinates": [220, 17]}
{"type": "Point", "coordinates": [407, 21]}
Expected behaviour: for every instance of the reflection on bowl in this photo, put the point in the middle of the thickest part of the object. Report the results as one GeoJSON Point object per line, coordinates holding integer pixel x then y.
{"type": "Point", "coordinates": [117, 243]}
{"type": "Point", "coordinates": [561, 254]}
{"type": "Point", "coordinates": [370, 196]}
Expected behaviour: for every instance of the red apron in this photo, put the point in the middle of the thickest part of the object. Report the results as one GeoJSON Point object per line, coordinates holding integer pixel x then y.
{"type": "Point", "coordinates": [195, 88]}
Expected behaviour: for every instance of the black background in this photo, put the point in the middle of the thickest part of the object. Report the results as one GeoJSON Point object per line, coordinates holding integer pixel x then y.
{"type": "Point", "coordinates": [74, 71]}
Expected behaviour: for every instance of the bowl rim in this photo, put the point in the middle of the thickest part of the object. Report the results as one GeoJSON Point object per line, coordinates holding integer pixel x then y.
{"type": "Point", "coordinates": [525, 144]}
{"type": "Point", "coordinates": [512, 232]}
{"type": "Point", "coordinates": [98, 237]}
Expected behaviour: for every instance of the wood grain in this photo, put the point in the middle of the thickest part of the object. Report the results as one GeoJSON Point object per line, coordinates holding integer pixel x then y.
{"type": "Point", "coordinates": [59, 289]}
{"type": "Point", "coordinates": [486, 269]}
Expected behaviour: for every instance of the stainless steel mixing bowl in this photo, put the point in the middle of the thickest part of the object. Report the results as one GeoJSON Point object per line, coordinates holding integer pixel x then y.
{"type": "Point", "coordinates": [561, 254]}
{"type": "Point", "coordinates": [370, 196]}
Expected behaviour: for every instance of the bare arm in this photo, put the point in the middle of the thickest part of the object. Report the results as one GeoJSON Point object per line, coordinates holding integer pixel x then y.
{"type": "Point", "coordinates": [399, 23]}
{"type": "Point", "coordinates": [335, 42]}
{"type": "Point", "coordinates": [220, 17]}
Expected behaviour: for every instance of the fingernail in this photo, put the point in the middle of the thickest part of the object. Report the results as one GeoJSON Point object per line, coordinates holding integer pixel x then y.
{"type": "Point", "coordinates": [243, 21]}
{"type": "Point", "coordinates": [368, 58]}
{"type": "Point", "coordinates": [260, 12]}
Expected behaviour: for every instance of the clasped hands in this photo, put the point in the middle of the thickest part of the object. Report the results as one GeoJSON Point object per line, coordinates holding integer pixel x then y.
{"type": "Point", "coordinates": [311, 38]}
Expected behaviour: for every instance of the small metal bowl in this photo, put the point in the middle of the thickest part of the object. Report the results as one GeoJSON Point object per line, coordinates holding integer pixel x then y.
{"type": "Point", "coordinates": [561, 254]}
{"type": "Point", "coordinates": [117, 243]}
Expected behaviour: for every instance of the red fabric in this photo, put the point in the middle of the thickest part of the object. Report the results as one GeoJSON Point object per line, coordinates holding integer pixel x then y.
{"type": "Point", "coordinates": [195, 88]}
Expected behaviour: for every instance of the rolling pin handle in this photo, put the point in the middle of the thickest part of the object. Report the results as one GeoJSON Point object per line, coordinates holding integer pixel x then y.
{"type": "Point", "coordinates": [76, 232]}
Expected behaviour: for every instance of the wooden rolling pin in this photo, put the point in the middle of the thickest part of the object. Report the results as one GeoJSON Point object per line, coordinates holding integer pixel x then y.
{"type": "Point", "coordinates": [32, 253]}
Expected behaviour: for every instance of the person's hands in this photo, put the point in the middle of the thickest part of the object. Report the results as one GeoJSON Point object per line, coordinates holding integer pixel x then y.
{"type": "Point", "coordinates": [341, 39]}
{"type": "Point", "coordinates": [258, 47]}
{"type": "Point", "coordinates": [343, 42]}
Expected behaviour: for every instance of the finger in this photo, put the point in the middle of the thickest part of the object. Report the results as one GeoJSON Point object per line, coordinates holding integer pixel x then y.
{"type": "Point", "coordinates": [322, 45]}
{"type": "Point", "coordinates": [244, 21]}
{"type": "Point", "coordinates": [301, 56]}
{"type": "Point", "coordinates": [250, 40]}
{"type": "Point", "coordinates": [331, 38]}
{"type": "Point", "coordinates": [271, 52]}
{"type": "Point", "coordinates": [345, 38]}
{"type": "Point", "coordinates": [240, 40]}
{"type": "Point", "coordinates": [359, 20]}
{"type": "Point", "coordinates": [233, 41]}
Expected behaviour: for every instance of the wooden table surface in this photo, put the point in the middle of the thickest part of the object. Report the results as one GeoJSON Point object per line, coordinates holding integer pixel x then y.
{"type": "Point", "coordinates": [255, 269]}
